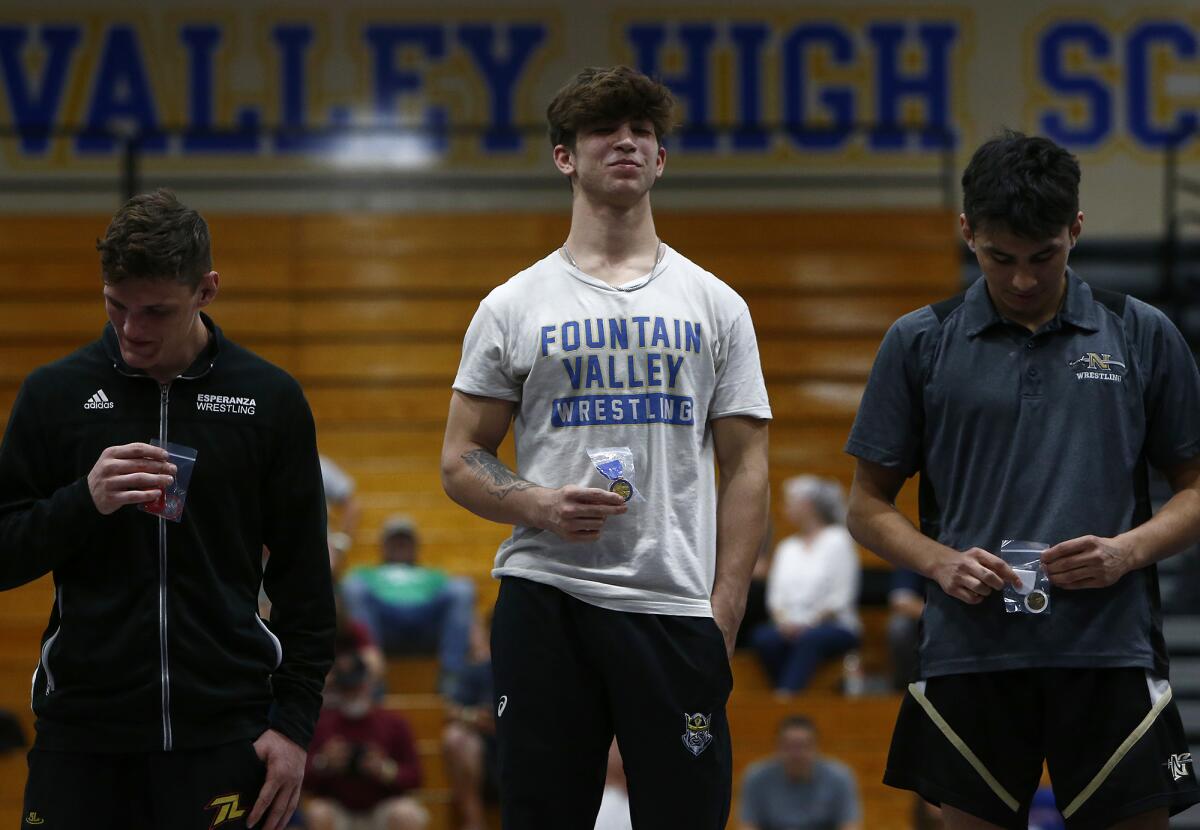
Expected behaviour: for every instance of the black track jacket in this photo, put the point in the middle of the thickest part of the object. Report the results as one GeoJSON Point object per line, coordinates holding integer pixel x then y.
{"type": "Point", "coordinates": [154, 640]}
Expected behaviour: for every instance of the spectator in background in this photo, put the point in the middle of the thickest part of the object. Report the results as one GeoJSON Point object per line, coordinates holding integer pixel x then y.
{"type": "Point", "coordinates": [353, 638]}
{"type": "Point", "coordinates": [906, 603]}
{"type": "Point", "coordinates": [344, 510]}
{"type": "Point", "coordinates": [798, 789]}
{"type": "Point", "coordinates": [469, 739]}
{"type": "Point", "coordinates": [411, 609]}
{"type": "Point", "coordinates": [363, 763]}
{"type": "Point", "coordinates": [812, 586]}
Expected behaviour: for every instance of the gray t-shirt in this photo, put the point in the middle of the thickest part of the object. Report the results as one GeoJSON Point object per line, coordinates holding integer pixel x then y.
{"type": "Point", "coordinates": [825, 801]}
{"type": "Point", "coordinates": [1042, 437]}
{"type": "Point", "coordinates": [648, 365]}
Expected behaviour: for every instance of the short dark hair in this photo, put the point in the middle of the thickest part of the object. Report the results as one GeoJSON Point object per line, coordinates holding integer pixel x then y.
{"type": "Point", "coordinates": [1026, 184]}
{"type": "Point", "coordinates": [796, 722]}
{"type": "Point", "coordinates": [154, 236]}
{"type": "Point", "coordinates": [601, 94]}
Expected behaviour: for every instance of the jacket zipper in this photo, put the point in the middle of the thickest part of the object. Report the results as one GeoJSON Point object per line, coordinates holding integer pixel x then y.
{"type": "Point", "coordinates": [168, 739]}
{"type": "Point", "coordinates": [165, 676]}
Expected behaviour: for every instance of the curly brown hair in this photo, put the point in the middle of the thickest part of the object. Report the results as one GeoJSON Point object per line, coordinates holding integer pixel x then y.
{"type": "Point", "coordinates": [155, 236]}
{"type": "Point", "coordinates": [603, 94]}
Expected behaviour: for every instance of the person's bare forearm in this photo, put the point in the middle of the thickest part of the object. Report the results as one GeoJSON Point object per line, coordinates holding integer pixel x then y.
{"type": "Point", "coordinates": [485, 485]}
{"type": "Point", "coordinates": [743, 502]}
{"type": "Point", "coordinates": [742, 507]}
{"type": "Point", "coordinates": [878, 526]}
{"type": "Point", "coordinates": [1174, 528]}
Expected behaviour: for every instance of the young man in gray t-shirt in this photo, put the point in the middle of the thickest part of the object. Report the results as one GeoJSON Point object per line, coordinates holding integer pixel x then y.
{"type": "Point", "coordinates": [623, 583]}
{"type": "Point", "coordinates": [1031, 405]}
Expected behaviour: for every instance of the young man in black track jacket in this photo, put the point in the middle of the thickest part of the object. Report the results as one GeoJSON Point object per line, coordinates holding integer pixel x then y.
{"type": "Point", "coordinates": [162, 700]}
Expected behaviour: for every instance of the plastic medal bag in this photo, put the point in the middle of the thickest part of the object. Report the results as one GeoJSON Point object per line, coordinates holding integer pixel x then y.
{"type": "Point", "coordinates": [1033, 596]}
{"type": "Point", "coordinates": [616, 464]}
{"type": "Point", "coordinates": [169, 505]}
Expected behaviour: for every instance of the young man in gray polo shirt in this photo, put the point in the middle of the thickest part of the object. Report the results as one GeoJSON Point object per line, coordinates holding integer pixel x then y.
{"type": "Point", "coordinates": [619, 600]}
{"type": "Point", "coordinates": [798, 788]}
{"type": "Point", "coordinates": [1031, 405]}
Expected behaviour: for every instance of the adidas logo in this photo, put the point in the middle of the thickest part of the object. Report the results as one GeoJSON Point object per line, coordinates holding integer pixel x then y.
{"type": "Point", "coordinates": [98, 401]}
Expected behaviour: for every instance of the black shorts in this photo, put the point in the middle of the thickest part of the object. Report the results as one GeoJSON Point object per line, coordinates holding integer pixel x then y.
{"type": "Point", "coordinates": [215, 787]}
{"type": "Point", "coordinates": [569, 675]}
{"type": "Point", "coordinates": [1111, 738]}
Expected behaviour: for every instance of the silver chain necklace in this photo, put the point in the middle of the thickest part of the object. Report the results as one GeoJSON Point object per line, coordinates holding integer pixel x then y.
{"type": "Point", "coordinates": [660, 252]}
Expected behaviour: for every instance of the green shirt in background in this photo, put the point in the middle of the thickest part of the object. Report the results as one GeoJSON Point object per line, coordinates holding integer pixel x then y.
{"type": "Point", "coordinates": [401, 584]}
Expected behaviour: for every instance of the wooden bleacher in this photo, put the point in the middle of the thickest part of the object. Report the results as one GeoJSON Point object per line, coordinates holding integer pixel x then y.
{"type": "Point", "coordinates": [368, 312]}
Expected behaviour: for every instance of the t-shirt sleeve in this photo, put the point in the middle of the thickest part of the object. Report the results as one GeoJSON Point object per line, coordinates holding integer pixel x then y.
{"type": "Point", "coordinates": [1172, 395]}
{"type": "Point", "coordinates": [890, 419]}
{"type": "Point", "coordinates": [486, 365]}
{"type": "Point", "coordinates": [740, 388]}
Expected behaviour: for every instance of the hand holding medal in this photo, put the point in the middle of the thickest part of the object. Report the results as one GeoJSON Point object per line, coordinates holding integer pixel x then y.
{"type": "Point", "coordinates": [616, 464]}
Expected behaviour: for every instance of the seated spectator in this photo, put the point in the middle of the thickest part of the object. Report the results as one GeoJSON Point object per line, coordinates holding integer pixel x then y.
{"type": "Point", "coordinates": [469, 739]}
{"type": "Point", "coordinates": [362, 762]}
{"type": "Point", "coordinates": [812, 587]}
{"type": "Point", "coordinates": [411, 609]}
{"type": "Point", "coordinates": [352, 638]}
{"type": "Point", "coordinates": [798, 789]}
{"type": "Point", "coordinates": [906, 603]}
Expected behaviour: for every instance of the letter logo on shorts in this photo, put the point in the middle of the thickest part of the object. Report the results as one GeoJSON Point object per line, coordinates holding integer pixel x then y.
{"type": "Point", "coordinates": [1178, 765]}
{"type": "Point", "coordinates": [698, 734]}
{"type": "Point", "coordinates": [227, 808]}
{"type": "Point", "coordinates": [503, 705]}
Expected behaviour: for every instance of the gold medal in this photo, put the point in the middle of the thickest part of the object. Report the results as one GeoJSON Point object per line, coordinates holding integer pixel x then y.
{"type": "Point", "coordinates": [622, 488]}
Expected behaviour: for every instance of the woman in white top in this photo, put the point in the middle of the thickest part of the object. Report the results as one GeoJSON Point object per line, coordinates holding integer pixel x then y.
{"type": "Point", "coordinates": [812, 587]}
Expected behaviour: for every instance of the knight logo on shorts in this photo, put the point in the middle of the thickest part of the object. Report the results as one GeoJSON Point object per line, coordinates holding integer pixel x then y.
{"type": "Point", "coordinates": [698, 735]}
{"type": "Point", "coordinates": [1178, 765]}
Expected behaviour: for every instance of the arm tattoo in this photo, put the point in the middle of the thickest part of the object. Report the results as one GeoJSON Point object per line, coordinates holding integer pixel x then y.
{"type": "Point", "coordinates": [497, 479]}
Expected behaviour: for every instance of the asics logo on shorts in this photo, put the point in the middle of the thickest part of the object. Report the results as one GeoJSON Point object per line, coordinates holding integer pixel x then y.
{"type": "Point", "coordinates": [98, 401]}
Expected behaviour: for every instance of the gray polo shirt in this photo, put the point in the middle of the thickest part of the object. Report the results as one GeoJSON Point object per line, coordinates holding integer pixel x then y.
{"type": "Point", "coordinates": [826, 800]}
{"type": "Point", "coordinates": [1040, 436]}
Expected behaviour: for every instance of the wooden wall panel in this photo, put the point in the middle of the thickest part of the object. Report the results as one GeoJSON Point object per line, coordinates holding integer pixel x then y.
{"type": "Point", "coordinates": [368, 313]}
